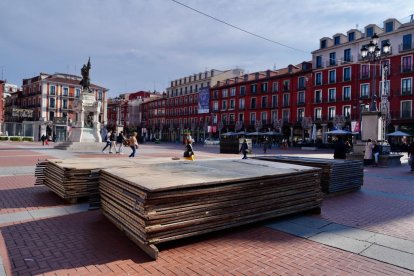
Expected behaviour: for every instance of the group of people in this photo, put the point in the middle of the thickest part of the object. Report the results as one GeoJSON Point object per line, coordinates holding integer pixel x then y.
{"type": "Point", "coordinates": [118, 141]}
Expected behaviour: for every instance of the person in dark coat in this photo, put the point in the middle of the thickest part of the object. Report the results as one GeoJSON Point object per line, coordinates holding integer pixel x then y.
{"type": "Point", "coordinates": [340, 149]}
{"type": "Point", "coordinates": [244, 148]}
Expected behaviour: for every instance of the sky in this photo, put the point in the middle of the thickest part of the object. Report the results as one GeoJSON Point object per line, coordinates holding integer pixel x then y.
{"type": "Point", "coordinates": [139, 45]}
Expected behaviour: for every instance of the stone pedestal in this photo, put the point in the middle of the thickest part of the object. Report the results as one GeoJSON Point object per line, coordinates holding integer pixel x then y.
{"type": "Point", "coordinates": [86, 128]}
{"type": "Point", "coordinates": [371, 127]}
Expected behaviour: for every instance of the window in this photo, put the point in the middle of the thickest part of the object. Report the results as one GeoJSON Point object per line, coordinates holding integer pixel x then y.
{"type": "Point", "coordinates": [318, 96]}
{"type": "Point", "coordinates": [286, 115]}
{"type": "Point", "coordinates": [274, 116]}
{"type": "Point", "coordinates": [332, 94]}
{"type": "Point", "coordinates": [337, 40]}
{"type": "Point", "coordinates": [301, 83]}
{"type": "Point", "coordinates": [264, 87]}
{"type": "Point", "coordinates": [364, 71]}
{"type": "Point", "coordinates": [241, 117]}
{"type": "Point", "coordinates": [332, 59]}
{"type": "Point", "coordinates": [323, 44]}
{"type": "Point", "coordinates": [346, 92]}
{"type": "Point", "coordinates": [407, 40]}
{"type": "Point", "coordinates": [215, 94]}
{"type": "Point", "coordinates": [224, 93]}
{"type": "Point", "coordinates": [301, 114]}
{"type": "Point", "coordinates": [215, 119]}
{"type": "Point", "coordinates": [318, 78]}
{"type": "Point", "coordinates": [253, 103]}
{"type": "Point", "coordinates": [319, 62]}
{"type": "Point", "coordinates": [351, 36]}
{"type": "Point", "coordinates": [253, 118]}
{"type": "Point", "coordinates": [406, 64]}
{"type": "Point", "coordinates": [318, 113]}
{"type": "Point", "coordinates": [406, 86]}
{"type": "Point", "coordinates": [264, 102]}
{"type": "Point", "coordinates": [389, 27]}
{"type": "Point", "coordinates": [52, 103]}
{"type": "Point", "coordinates": [286, 85]}
{"type": "Point", "coordinates": [406, 109]}
{"type": "Point", "coordinates": [242, 90]}
{"type": "Point", "coordinates": [232, 121]}
{"type": "Point", "coordinates": [369, 32]}
{"type": "Point", "coordinates": [65, 104]}
{"type": "Point", "coordinates": [224, 119]}
{"type": "Point", "coordinates": [65, 91]}
{"type": "Point", "coordinates": [100, 95]}
{"type": "Point", "coordinates": [274, 101]}
{"type": "Point", "coordinates": [364, 90]}
{"type": "Point", "coordinates": [347, 55]}
{"type": "Point", "coordinates": [223, 105]}
{"type": "Point", "coordinates": [241, 103]}
{"type": "Point", "coordinates": [232, 91]}
{"type": "Point", "coordinates": [285, 100]}
{"type": "Point", "coordinates": [275, 87]}
{"type": "Point", "coordinates": [232, 104]}
{"type": "Point", "coordinates": [301, 97]}
{"type": "Point", "coordinates": [332, 76]}
{"type": "Point", "coordinates": [331, 113]}
{"type": "Point", "coordinates": [263, 117]}
{"type": "Point", "coordinates": [52, 90]}
{"type": "Point", "coordinates": [253, 88]}
{"type": "Point", "coordinates": [215, 106]}
{"type": "Point", "coordinates": [347, 111]}
{"type": "Point", "coordinates": [347, 74]}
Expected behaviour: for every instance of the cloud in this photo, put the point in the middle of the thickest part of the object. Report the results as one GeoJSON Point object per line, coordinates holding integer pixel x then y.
{"type": "Point", "coordinates": [142, 45]}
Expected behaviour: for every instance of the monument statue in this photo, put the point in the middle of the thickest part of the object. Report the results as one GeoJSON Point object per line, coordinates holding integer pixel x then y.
{"type": "Point", "coordinates": [85, 82]}
{"type": "Point", "coordinates": [86, 128]}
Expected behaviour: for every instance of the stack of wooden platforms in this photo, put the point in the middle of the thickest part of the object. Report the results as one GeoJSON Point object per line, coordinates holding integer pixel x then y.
{"type": "Point", "coordinates": [77, 178]}
{"type": "Point", "coordinates": [40, 172]}
{"type": "Point", "coordinates": [338, 176]}
{"type": "Point", "coordinates": [161, 202]}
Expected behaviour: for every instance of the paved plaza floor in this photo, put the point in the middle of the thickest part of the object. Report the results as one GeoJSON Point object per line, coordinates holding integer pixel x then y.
{"type": "Point", "coordinates": [367, 232]}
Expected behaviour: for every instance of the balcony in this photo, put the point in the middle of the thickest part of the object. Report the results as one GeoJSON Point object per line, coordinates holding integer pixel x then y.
{"type": "Point", "coordinates": [405, 47]}
{"type": "Point", "coordinates": [362, 97]}
{"type": "Point", "coordinates": [332, 100]}
{"type": "Point", "coordinates": [406, 68]}
{"type": "Point", "coordinates": [364, 76]}
{"type": "Point", "coordinates": [286, 88]}
{"type": "Point", "coordinates": [301, 86]}
{"type": "Point", "coordinates": [404, 92]}
{"type": "Point", "coordinates": [347, 60]}
{"type": "Point", "coordinates": [318, 101]}
{"type": "Point", "coordinates": [331, 63]}
{"type": "Point", "coordinates": [332, 81]}
{"type": "Point", "coordinates": [347, 98]}
{"type": "Point", "coordinates": [285, 105]}
{"type": "Point", "coordinates": [301, 103]}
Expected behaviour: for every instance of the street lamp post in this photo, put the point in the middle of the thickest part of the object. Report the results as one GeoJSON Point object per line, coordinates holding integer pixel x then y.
{"type": "Point", "coordinates": [373, 54]}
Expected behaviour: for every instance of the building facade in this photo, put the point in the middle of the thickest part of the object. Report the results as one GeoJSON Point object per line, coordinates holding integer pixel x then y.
{"type": "Point", "coordinates": [48, 98]}
{"type": "Point", "coordinates": [344, 83]}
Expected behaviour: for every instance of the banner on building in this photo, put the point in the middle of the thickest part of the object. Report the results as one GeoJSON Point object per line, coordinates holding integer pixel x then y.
{"type": "Point", "coordinates": [355, 126]}
{"type": "Point", "coordinates": [22, 113]}
{"type": "Point", "coordinates": [203, 100]}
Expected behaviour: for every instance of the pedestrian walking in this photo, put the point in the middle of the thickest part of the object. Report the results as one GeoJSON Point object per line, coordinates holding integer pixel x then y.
{"type": "Point", "coordinates": [43, 139]}
{"type": "Point", "coordinates": [108, 141]}
{"type": "Point", "coordinates": [411, 155]}
{"type": "Point", "coordinates": [265, 145]}
{"type": "Point", "coordinates": [368, 152]}
{"type": "Point", "coordinates": [120, 140]}
{"type": "Point", "coordinates": [244, 149]}
{"type": "Point", "coordinates": [189, 152]}
{"type": "Point", "coordinates": [112, 138]}
{"type": "Point", "coordinates": [133, 143]}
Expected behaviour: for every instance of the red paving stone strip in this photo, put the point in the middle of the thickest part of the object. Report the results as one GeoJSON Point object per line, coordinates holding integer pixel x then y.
{"type": "Point", "coordinates": [26, 160]}
{"type": "Point", "coordinates": [18, 193]}
{"type": "Point", "coordinates": [70, 244]}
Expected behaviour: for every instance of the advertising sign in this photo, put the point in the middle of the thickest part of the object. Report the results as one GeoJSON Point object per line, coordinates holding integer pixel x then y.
{"type": "Point", "coordinates": [203, 100]}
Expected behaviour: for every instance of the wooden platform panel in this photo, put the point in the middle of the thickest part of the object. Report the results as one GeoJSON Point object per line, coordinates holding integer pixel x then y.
{"type": "Point", "coordinates": [160, 202]}
{"type": "Point", "coordinates": [338, 176]}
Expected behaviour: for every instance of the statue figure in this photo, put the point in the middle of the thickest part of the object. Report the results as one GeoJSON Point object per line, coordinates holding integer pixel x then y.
{"type": "Point", "coordinates": [85, 75]}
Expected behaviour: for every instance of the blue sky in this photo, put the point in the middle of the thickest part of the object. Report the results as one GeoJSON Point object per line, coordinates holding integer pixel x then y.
{"type": "Point", "coordinates": [144, 44]}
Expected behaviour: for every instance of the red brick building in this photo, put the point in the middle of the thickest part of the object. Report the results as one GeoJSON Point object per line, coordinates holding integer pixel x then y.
{"type": "Point", "coordinates": [263, 101]}
{"type": "Point", "coordinates": [344, 83]}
